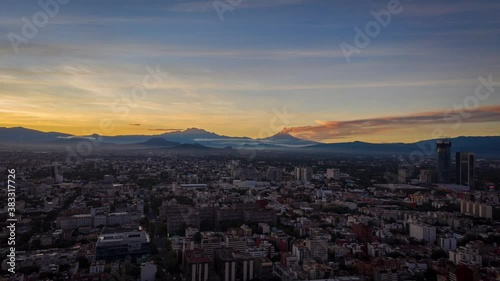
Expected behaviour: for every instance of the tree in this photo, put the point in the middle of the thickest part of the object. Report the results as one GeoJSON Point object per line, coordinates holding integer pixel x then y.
{"type": "Point", "coordinates": [430, 275]}
{"type": "Point", "coordinates": [468, 238]}
{"type": "Point", "coordinates": [134, 271]}
{"type": "Point", "coordinates": [161, 230]}
{"type": "Point", "coordinates": [171, 262]}
{"type": "Point", "coordinates": [256, 229]}
{"type": "Point", "coordinates": [35, 244]}
{"type": "Point", "coordinates": [197, 237]}
{"type": "Point", "coordinates": [83, 262]}
{"type": "Point", "coordinates": [29, 270]}
{"type": "Point", "coordinates": [439, 254]}
{"type": "Point", "coordinates": [334, 237]}
{"type": "Point", "coordinates": [161, 275]}
{"type": "Point", "coordinates": [46, 276]}
{"type": "Point", "coordinates": [315, 218]}
{"type": "Point", "coordinates": [155, 204]}
{"type": "Point", "coordinates": [151, 229]}
{"type": "Point", "coordinates": [394, 255]}
{"type": "Point", "coordinates": [168, 244]}
{"type": "Point", "coordinates": [154, 249]}
{"type": "Point", "coordinates": [122, 276]}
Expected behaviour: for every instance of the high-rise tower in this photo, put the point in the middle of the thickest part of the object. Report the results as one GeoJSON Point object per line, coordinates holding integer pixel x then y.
{"type": "Point", "coordinates": [444, 161]}
{"type": "Point", "coordinates": [465, 165]}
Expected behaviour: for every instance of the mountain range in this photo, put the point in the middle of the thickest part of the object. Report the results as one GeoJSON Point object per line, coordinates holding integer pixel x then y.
{"type": "Point", "coordinates": [194, 138]}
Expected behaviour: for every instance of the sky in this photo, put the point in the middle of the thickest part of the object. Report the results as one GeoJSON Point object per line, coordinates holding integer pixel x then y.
{"type": "Point", "coordinates": [146, 67]}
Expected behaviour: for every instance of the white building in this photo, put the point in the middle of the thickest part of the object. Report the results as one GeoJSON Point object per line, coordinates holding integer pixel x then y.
{"type": "Point", "coordinates": [422, 231]}
{"type": "Point", "coordinates": [448, 244]}
{"type": "Point", "coordinates": [148, 272]}
{"type": "Point", "coordinates": [122, 218]}
{"type": "Point", "coordinates": [386, 275]}
{"type": "Point", "coordinates": [114, 246]}
{"type": "Point", "coordinates": [333, 174]}
{"type": "Point", "coordinates": [377, 250]}
{"type": "Point", "coordinates": [467, 255]}
{"type": "Point", "coordinates": [476, 209]}
{"type": "Point", "coordinates": [237, 243]}
{"type": "Point", "coordinates": [303, 174]}
{"type": "Point", "coordinates": [100, 220]}
{"type": "Point", "coordinates": [403, 175]}
{"type": "Point", "coordinates": [97, 267]}
{"type": "Point", "coordinates": [266, 229]}
{"type": "Point", "coordinates": [318, 247]}
{"type": "Point", "coordinates": [75, 221]}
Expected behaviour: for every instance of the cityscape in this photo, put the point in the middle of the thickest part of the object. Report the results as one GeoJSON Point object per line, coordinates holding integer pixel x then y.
{"type": "Point", "coordinates": [190, 212]}
{"type": "Point", "coordinates": [249, 140]}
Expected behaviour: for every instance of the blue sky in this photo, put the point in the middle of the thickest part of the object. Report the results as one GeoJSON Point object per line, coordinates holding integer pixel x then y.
{"type": "Point", "coordinates": [231, 76]}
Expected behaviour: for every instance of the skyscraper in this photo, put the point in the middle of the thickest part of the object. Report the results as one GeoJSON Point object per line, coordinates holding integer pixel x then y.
{"type": "Point", "coordinates": [303, 174]}
{"type": "Point", "coordinates": [333, 174]}
{"type": "Point", "coordinates": [465, 165]}
{"type": "Point", "coordinates": [54, 171]}
{"type": "Point", "coordinates": [274, 174]}
{"type": "Point", "coordinates": [444, 161]}
{"type": "Point", "coordinates": [403, 174]}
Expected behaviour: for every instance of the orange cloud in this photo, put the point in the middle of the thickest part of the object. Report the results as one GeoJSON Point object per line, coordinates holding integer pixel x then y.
{"type": "Point", "coordinates": [325, 130]}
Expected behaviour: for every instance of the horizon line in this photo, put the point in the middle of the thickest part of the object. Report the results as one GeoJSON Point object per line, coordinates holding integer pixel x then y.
{"type": "Point", "coordinates": [280, 132]}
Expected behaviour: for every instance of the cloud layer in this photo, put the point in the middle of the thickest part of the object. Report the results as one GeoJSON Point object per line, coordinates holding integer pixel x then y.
{"type": "Point", "coordinates": [448, 121]}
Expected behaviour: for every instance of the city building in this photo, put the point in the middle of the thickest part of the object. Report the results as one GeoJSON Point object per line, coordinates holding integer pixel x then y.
{"type": "Point", "coordinates": [333, 174]}
{"type": "Point", "coordinates": [97, 267]}
{"type": "Point", "coordinates": [362, 232]}
{"type": "Point", "coordinates": [54, 174]}
{"type": "Point", "coordinates": [464, 272]}
{"type": "Point", "coordinates": [422, 231]}
{"type": "Point", "coordinates": [465, 168]}
{"type": "Point", "coordinates": [274, 174]}
{"type": "Point", "coordinates": [385, 275]}
{"type": "Point", "coordinates": [264, 269]}
{"type": "Point", "coordinates": [261, 216]}
{"type": "Point", "coordinates": [303, 174]}
{"type": "Point", "coordinates": [318, 248]}
{"type": "Point", "coordinates": [210, 242]}
{"type": "Point", "coordinates": [403, 175]}
{"type": "Point", "coordinates": [236, 243]}
{"type": "Point", "coordinates": [119, 245]}
{"type": "Point", "coordinates": [448, 243]}
{"type": "Point", "coordinates": [196, 265]}
{"type": "Point", "coordinates": [74, 221]}
{"type": "Point", "coordinates": [148, 271]}
{"type": "Point", "coordinates": [470, 254]}
{"type": "Point", "coordinates": [443, 161]}
{"type": "Point", "coordinates": [248, 173]}
{"type": "Point", "coordinates": [232, 265]}
{"type": "Point", "coordinates": [290, 260]}
{"type": "Point", "coordinates": [178, 217]}
{"type": "Point", "coordinates": [428, 176]}
{"type": "Point", "coordinates": [476, 209]}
